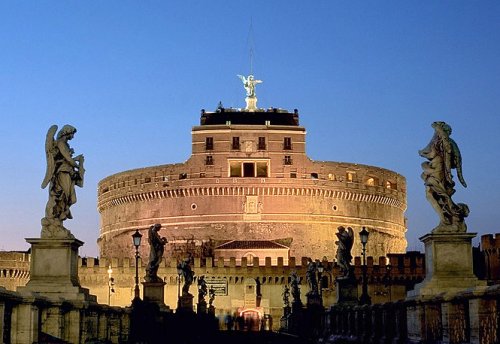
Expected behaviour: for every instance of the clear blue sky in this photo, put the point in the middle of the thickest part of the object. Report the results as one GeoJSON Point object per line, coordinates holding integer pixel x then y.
{"type": "Point", "coordinates": [368, 77]}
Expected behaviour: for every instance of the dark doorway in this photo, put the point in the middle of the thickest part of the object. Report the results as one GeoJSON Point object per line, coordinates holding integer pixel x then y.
{"type": "Point", "coordinates": [248, 169]}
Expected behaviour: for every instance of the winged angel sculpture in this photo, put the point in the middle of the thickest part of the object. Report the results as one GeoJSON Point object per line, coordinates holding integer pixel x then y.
{"type": "Point", "coordinates": [249, 84]}
{"type": "Point", "coordinates": [443, 155]}
{"type": "Point", "coordinates": [63, 172]}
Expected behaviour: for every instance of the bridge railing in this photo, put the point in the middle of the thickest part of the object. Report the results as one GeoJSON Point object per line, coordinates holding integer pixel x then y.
{"type": "Point", "coordinates": [472, 316]}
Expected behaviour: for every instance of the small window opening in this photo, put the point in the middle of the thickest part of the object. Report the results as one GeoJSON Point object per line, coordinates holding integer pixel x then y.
{"type": "Point", "coordinates": [209, 143]}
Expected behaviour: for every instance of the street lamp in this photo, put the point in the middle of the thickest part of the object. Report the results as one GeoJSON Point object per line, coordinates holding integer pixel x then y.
{"type": "Point", "coordinates": [136, 237]}
{"type": "Point", "coordinates": [179, 273]}
{"type": "Point", "coordinates": [111, 283]}
{"type": "Point", "coordinates": [365, 298]}
{"type": "Point", "coordinates": [320, 268]}
{"type": "Point", "coordinates": [388, 280]}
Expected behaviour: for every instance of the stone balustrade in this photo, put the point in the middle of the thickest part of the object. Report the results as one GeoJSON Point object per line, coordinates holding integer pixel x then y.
{"type": "Point", "coordinates": [471, 316]}
{"type": "Point", "coordinates": [28, 318]}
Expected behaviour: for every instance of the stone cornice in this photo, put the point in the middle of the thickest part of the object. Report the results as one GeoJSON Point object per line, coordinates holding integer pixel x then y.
{"type": "Point", "coordinates": [200, 191]}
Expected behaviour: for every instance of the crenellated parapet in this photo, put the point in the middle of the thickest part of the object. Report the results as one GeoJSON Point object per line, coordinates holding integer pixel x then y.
{"type": "Point", "coordinates": [490, 246]}
{"type": "Point", "coordinates": [405, 268]}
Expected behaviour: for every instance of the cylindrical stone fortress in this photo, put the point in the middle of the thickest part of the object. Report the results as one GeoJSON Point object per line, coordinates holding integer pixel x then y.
{"type": "Point", "coordinates": [249, 178]}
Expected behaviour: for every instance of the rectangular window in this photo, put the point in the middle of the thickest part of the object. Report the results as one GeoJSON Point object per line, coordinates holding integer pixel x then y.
{"type": "Point", "coordinates": [209, 143]}
{"type": "Point", "coordinates": [262, 143]}
{"type": "Point", "coordinates": [249, 168]}
{"type": "Point", "coordinates": [235, 169]}
{"type": "Point", "coordinates": [293, 175]}
{"type": "Point", "coordinates": [288, 160]}
{"type": "Point", "coordinates": [236, 143]}
{"type": "Point", "coordinates": [262, 169]}
{"type": "Point", "coordinates": [350, 176]}
{"type": "Point", "coordinates": [287, 143]}
{"type": "Point", "coordinates": [209, 160]}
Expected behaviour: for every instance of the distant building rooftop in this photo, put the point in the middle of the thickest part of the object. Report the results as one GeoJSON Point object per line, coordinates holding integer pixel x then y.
{"type": "Point", "coordinates": [231, 116]}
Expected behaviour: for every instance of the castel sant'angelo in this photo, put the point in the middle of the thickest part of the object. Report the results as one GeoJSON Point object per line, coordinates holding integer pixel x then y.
{"type": "Point", "coordinates": [249, 185]}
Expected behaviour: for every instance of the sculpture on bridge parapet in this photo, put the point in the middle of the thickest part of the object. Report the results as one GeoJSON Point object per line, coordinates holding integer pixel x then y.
{"type": "Point", "coordinates": [344, 246]}
{"type": "Point", "coordinates": [286, 296]}
{"type": "Point", "coordinates": [311, 277]}
{"type": "Point", "coordinates": [294, 285]}
{"type": "Point", "coordinates": [187, 273]}
{"type": "Point", "coordinates": [202, 289]}
{"type": "Point", "coordinates": [62, 174]}
{"type": "Point", "coordinates": [443, 156]}
{"type": "Point", "coordinates": [211, 296]}
{"type": "Point", "coordinates": [157, 247]}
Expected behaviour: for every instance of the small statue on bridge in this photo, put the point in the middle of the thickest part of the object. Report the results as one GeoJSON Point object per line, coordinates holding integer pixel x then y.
{"type": "Point", "coordinates": [187, 272]}
{"type": "Point", "coordinates": [286, 296]}
{"type": "Point", "coordinates": [311, 277]}
{"type": "Point", "coordinates": [294, 284]}
{"type": "Point", "coordinates": [211, 296]}
{"type": "Point", "coordinates": [344, 246]}
{"type": "Point", "coordinates": [202, 289]}
{"type": "Point", "coordinates": [157, 246]}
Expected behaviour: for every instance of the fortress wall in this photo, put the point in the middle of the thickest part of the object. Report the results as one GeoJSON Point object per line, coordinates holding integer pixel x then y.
{"type": "Point", "coordinates": [298, 208]}
{"type": "Point", "coordinates": [384, 284]}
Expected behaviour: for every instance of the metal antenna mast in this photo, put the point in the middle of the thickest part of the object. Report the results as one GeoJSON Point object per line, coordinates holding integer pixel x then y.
{"type": "Point", "coordinates": [251, 44]}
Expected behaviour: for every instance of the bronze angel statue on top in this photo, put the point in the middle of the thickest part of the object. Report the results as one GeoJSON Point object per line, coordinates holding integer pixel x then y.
{"type": "Point", "coordinates": [443, 155]}
{"type": "Point", "coordinates": [249, 84]}
{"type": "Point", "coordinates": [63, 172]}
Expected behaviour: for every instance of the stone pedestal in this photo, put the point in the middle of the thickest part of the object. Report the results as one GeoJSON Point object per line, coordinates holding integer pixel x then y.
{"type": "Point", "coordinates": [185, 303]}
{"type": "Point", "coordinates": [251, 103]}
{"type": "Point", "coordinates": [211, 310]}
{"type": "Point", "coordinates": [313, 299]}
{"type": "Point", "coordinates": [201, 307]}
{"type": "Point", "coordinates": [154, 292]}
{"type": "Point", "coordinates": [54, 270]}
{"type": "Point", "coordinates": [448, 265]}
{"type": "Point", "coordinates": [295, 319]}
{"type": "Point", "coordinates": [347, 291]}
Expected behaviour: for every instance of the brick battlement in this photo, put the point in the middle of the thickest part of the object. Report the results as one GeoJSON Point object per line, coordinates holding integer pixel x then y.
{"type": "Point", "coordinates": [401, 266]}
{"type": "Point", "coordinates": [490, 242]}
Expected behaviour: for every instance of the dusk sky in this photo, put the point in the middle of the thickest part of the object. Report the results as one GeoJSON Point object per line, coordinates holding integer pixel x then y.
{"type": "Point", "coordinates": [368, 79]}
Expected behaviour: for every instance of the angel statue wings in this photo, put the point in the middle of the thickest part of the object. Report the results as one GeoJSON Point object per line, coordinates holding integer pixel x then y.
{"type": "Point", "coordinates": [443, 156]}
{"type": "Point", "coordinates": [344, 246]}
{"type": "Point", "coordinates": [63, 172]}
{"type": "Point", "coordinates": [249, 84]}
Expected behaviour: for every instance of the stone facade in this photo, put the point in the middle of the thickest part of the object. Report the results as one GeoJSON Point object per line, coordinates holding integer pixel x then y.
{"type": "Point", "coordinates": [249, 178]}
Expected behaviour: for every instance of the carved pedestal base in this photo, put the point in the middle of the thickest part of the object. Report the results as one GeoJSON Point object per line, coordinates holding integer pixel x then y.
{"type": "Point", "coordinates": [201, 307]}
{"type": "Point", "coordinates": [251, 103]}
{"type": "Point", "coordinates": [347, 291]}
{"type": "Point", "coordinates": [313, 299]}
{"type": "Point", "coordinates": [185, 303]}
{"type": "Point", "coordinates": [154, 292]}
{"type": "Point", "coordinates": [448, 265]}
{"type": "Point", "coordinates": [54, 270]}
